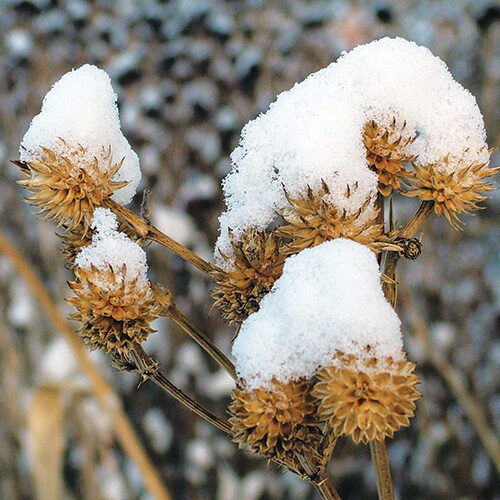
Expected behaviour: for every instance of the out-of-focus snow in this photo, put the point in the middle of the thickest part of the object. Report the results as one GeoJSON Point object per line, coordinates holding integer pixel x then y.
{"type": "Point", "coordinates": [329, 299]}
{"type": "Point", "coordinates": [80, 111]}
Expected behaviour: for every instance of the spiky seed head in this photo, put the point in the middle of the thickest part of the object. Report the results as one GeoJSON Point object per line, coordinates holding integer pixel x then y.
{"type": "Point", "coordinates": [370, 402]}
{"type": "Point", "coordinates": [313, 219]}
{"type": "Point", "coordinates": [68, 187]}
{"type": "Point", "coordinates": [453, 193]}
{"type": "Point", "coordinates": [277, 422]}
{"type": "Point", "coordinates": [256, 264]}
{"type": "Point", "coordinates": [386, 153]}
{"type": "Point", "coordinates": [113, 310]}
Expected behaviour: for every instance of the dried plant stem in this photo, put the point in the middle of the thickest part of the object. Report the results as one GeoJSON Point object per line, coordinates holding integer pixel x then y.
{"type": "Point", "coordinates": [382, 470]}
{"type": "Point", "coordinates": [147, 230]}
{"type": "Point", "coordinates": [202, 340]}
{"type": "Point", "coordinates": [122, 427]}
{"type": "Point", "coordinates": [456, 382]}
{"type": "Point", "coordinates": [148, 368]}
{"type": "Point", "coordinates": [320, 480]}
{"type": "Point", "coordinates": [409, 231]}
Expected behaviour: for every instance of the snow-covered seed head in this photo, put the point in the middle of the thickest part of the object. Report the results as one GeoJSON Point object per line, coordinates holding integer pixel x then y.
{"type": "Point", "coordinates": [454, 192]}
{"type": "Point", "coordinates": [276, 422]}
{"type": "Point", "coordinates": [387, 154]}
{"type": "Point", "coordinates": [68, 187]}
{"type": "Point", "coordinates": [113, 296]}
{"type": "Point", "coordinates": [256, 264]}
{"type": "Point", "coordinates": [313, 219]}
{"type": "Point", "coordinates": [369, 402]}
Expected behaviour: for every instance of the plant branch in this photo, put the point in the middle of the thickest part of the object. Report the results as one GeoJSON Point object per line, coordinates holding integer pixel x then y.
{"type": "Point", "coordinates": [378, 451]}
{"type": "Point", "coordinates": [320, 480]}
{"type": "Point", "coordinates": [166, 301]}
{"type": "Point", "coordinates": [148, 368]}
{"type": "Point", "coordinates": [147, 230]}
{"type": "Point", "coordinates": [201, 339]}
{"type": "Point", "coordinates": [409, 231]}
{"type": "Point", "coordinates": [109, 400]}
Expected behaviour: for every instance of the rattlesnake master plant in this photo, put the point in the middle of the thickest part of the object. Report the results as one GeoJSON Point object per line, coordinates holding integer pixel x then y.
{"type": "Point", "coordinates": [318, 351]}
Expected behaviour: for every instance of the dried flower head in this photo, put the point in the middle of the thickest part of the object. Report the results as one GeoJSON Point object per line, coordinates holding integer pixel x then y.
{"type": "Point", "coordinates": [453, 193]}
{"type": "Point", "coordinates": [277, 423]}
{"type": "Point", "coordinates": [368, 403]}
{"type": "Point", "coordinates": [257, 263]}
{"type": "Point", "coordinates": [114, 311]}
{"type": "Point", "coordinates": [313, 219]}
{"type": "Point", "coordinates": [68, 188]}
{"type": "Point", "coordinates": [385, 152]}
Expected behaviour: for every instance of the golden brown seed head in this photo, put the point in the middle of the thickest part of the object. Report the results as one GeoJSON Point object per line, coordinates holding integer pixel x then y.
{"type": "Point", "coordinates": [115, 312]}
{"type": "Point", "coordinates": [368, 404]}
{"type": "Point", "coordinates": [385, 152]}
{"type": "Point", "coordinates": [312, 219]}
{"type": "Point", "coordinates": [68, 188]}
{"type": "Point", "coordinates": [277, 422]}
{"type": "Point", "coordinates": [257, 263]}
{"type": "Point", "coordinates": [455, 193]}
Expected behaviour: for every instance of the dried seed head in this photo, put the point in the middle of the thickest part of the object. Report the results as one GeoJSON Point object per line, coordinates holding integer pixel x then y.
{"type": "Point", "coordinates": [385, 152]}
{"type": "Point", "coordinates": [312, 219]}
{"type": "Point", "coordinates": [278, 422]}
{"type": "Point", "coordinates": [453, 193]}
{"type": "Point", "coordinates": [68, 188]}
{"type": "Point", "coordinates": [367, 403]}
{"type": "Point", "coordinates": [257, 263]}
{"type": "Point", "coordinates": [114, 310]}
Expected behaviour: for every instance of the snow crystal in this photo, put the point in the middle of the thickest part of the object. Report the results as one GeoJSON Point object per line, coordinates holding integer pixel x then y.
{"type": "Point", "coordinates": [313, 132]}
{"type": "Point", "coordinates": [81, 110]}
{"type": "Point", "coordinates": [329, 299]}
{"type": "Point", "coordinates": [111, 248]}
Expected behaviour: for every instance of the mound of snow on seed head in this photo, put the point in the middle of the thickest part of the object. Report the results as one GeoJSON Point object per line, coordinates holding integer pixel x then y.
{"type": "Point", "coordinates": [112, 248]}
{"type": "Point", "coordinates": [80, 112]}
{"type": "Point", "coordinates": [329, 299]}
{"type": "Point", "coordinates": [314, 132]}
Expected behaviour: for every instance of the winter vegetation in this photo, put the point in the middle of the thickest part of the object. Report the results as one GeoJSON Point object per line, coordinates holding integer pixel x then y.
{"type": "Point", "coordinates": [327, 196]}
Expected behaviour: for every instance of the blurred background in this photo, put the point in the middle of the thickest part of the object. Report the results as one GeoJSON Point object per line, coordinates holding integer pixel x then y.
{"type": "Point", "coordinates": [189, 75]}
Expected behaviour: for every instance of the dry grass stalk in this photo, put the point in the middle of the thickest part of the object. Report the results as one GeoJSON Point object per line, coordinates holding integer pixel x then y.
{"type": "Point", "coordinates": [46, 432]}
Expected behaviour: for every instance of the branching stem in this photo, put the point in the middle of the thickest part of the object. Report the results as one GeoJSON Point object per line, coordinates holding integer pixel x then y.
{"type": "Point", "coordinates": [147, 230]}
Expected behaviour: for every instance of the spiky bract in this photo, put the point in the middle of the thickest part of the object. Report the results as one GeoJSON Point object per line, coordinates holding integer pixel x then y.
{"type": "Point", "coordinates": [368, 403]}
{"type": "Point", "coordinates": [277, 422]}
{"type": "Point", "coordinates": [256, 263]}
{"type": "Point", "coordinates": [68, 188]}
{"type": "Point", "coordinates": [113, 310]}
{"type": "Point", "coordinates": [386, 154]}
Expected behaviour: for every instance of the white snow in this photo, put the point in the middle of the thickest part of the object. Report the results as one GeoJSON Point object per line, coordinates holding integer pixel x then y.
{"type": "Point", "coordinates": [314, 131]}
{"type": "Point", "coordinates": [111, 248]}
{"type": "Point", "coordinates": [329, 299]}
{"type": "Point", "coordinates": [81, 110]}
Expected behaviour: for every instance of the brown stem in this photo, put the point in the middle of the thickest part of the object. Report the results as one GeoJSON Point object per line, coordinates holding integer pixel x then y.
{"type": "Point", "coordinates": [409, 231]}
{"type": "Point", "coordinates": [320, 480]}
{"type": "Point", "coordinates": [147, 230]}
{"type": "Point", "coordinates": [125, 433]}
{"type": "Point", "coordinates": [148, 368]}
{"type": "Point", "coordinates": [382, 470]}
{"type": "Point", "coordinates": [201, 339]}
